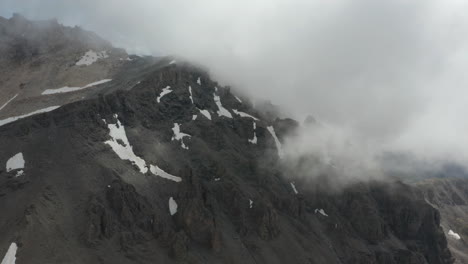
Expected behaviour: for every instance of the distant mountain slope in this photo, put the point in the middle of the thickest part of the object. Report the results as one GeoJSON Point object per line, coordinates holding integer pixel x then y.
{"type": "Point", "coordinates": [164, 165]}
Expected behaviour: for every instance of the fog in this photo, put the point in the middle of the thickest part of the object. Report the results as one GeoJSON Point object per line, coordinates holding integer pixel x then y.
{"type": "Point", "coordinates": [384, 75]}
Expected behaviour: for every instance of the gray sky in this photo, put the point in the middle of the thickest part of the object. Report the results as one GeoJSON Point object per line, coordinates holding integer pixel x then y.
{"type": "Point", "coordinates": [389, 73]}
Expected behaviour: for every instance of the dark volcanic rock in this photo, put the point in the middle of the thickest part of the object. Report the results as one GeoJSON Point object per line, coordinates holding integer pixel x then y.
{"type": "Point", "coordinates": [79, 202]}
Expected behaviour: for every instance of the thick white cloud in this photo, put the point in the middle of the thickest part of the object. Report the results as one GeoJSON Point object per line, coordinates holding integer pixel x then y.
{"type": "Point", "coordinates": [391, 73]}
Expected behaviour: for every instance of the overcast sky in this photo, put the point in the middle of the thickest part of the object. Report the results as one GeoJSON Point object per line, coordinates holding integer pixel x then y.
{"type": "Point", "coordinates": [390, 73]}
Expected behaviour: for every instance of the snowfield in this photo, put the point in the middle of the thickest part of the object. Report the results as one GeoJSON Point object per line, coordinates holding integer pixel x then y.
{"type": "Point", "coordinates": [120, 145]}
{"type": "Point", "coordinates": [40, 111]}
{"type": "Point", "coordinates": [165, 91]}
{"type": "Point", "coordinates": [159, 172]}
{"type": "Point", "coordinates": [454, 235]}
{"type": "Point", "coordinates": [91, 57]}
{"type": "Point", "coordinates": [206, 113]}
{"type": "Point", "coordinates": [179, 136]}
{"type": "Point", "coordinates": [10, 256]}
{"type": "Point", "coordinates": [242, 114]}
{"type": "Point", "coordinates": [67, 89]}
{"type": "Point", "coordinates": [7, 102]}
{"type": "Point", "coordinates": [321, 211]}
{"type": "Point", "coordinates": [172, 206]}
{"type": "Point", "coordinates": [221, 110]}
{"type": "Point", "coordinates": [190, 91]}
{"type": "Point", "coordinates": [16, 162]}
{"type": "Point", "coordinates": [277, 142]}
{"type": "Point", "coordinates": [254, 139]}
{"type": "Point", "coordinates": [294, 188]}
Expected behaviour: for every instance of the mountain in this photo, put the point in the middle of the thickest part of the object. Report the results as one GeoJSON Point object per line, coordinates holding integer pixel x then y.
{"type": "Point", "coordinates": [111, 158]}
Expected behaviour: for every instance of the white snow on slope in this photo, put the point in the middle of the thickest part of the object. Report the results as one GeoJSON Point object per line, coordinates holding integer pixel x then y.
{"type": "Point", "coordinates": [10, 256]}
{"type": "Point", "coordinates": [172, 206]}
{"type": "Point", "coordinates": [190, 91]}
{"type": "Point", "coordinates": [254, 139]}
{"type": "Point", "coordinates": [67, 89]}
{"type": "Point", "coordinates": [165, 91]}
{"type": "Point", "coordinates": [194, 117]}
{"type": "Point", "coordinates": [321, 211]}
{"type": "Point", "coordinates": [7, 102]}
{"type": "Point", "coordinates": [12, 119]}
{"type": "Point", "coordinates": [159, 172]}
{"type": "Point", "coordinates": [120, 145]}
{"type": "Point", "coordinates": [277, 142]}
{"type": "Point", "coordinates": [91, 57]}
{"type": "Point", "coordinates": [206, 113]}
{"type": "Point", "coordinates": [250, 204]}
{"type": "Point", "coordinates": [242, 114]}
{"type": "Point", "coordinates": [238, 99]}
{"type": "Point", "coordinates": [454, 235]}
{"type": "Point", "coordinates": [172, 62]}
{"type": "Point", "coordinates": [294, 188]}
{"type": "Point", "coordinates": [16, 163]}
{"type": "Point", "coordinates": [221, 110]}
{"type": "Point", "coordinates": [199, 81]}
{"type": "Point", "coordinates": [179, 136]}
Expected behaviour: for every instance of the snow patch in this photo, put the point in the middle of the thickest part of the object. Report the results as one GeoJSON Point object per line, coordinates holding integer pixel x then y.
{"type": "Point", "coordinates": [40, 111]}
{"type": "Point", "coordinates": [277, 142]}
{"type": "Point", "coordinates": [321, 211]}
{"type": "Point", "coordinates": [7, 102]}
{"type": "Point", "coordinates": [194, 117]}
{"type": "Point", "coordinates": [254, 139]}
{"type": "Point", "coordinates": [190, 91]}
{"type": "Point", "coordinates": [67, 89]}
{"type": "Point", "coordinates": [294, 188]}
{"type": "Point", "coordinates": [165, 91]}
{"type": "Point", "coordinates": [199, 81]}
{"type": "Point", "coordinates": [238, 99]}
{"type": "Point", "coordinates": [120, 145]}
{"type": "Point", "coordinates": [159, 172]}
{"type": "Point", "coordinates": [179, 136]}
{"type": "Point", "coordinates": [242, 114]}
{"type": "Point", "coordinates": [206, 113]}
{"type": "Point", "coordinates": [454, 235]}
{"type": "Point", "coordinates": [221, 110]}
{"type": "Point", "coordinates": [250, 204]}
{"type": "Point", "coordinates": [172, 62]}
{"type": "Point", "coordinates": [172, 206]}
{"type": "Point", "coordinates": [10, 256]}
{"type": "Point", "coordinates": [217, 179]}
{"type": "Point", "coordinates": [91, 57]}
{"type": "Point", "coordinates": [16, 162]}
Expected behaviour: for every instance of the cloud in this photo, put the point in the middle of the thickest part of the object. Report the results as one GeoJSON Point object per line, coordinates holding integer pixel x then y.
{"type": "Point", "coordinates": [389, 73]}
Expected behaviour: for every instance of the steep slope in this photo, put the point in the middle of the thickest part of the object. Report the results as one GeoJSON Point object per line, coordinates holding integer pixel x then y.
{"type": "Point", "coordinates": [164, 165]}
{"type": "Point", "coordinates": [43, 58]}
{"type": "Point", "coordinates": [450, 197]}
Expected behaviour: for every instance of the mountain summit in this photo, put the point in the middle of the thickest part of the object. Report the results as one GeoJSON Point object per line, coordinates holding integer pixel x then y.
{"type": "Point", "coordinates": [111, 158]}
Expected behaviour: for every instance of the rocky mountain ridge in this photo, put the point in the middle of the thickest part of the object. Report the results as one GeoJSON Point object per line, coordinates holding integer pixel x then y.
{"type": "Point", "coordinates": [162, 164]}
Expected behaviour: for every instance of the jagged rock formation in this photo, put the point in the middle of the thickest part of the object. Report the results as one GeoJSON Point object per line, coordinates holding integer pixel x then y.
{"type": "Point", "coordinates": [450, 197]}
{"type": "Point", "coordinates": [222, 199]}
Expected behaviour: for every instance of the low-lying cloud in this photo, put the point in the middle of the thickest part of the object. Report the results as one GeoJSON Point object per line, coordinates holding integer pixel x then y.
{"type": "Point", "coordinates": [388, 74]}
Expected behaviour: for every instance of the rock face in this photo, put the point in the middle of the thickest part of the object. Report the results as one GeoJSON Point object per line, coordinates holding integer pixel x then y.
{"type": "Point", "coordinates": [79, 202]}
{"type": "Point", "coordinates": [450, 197]}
